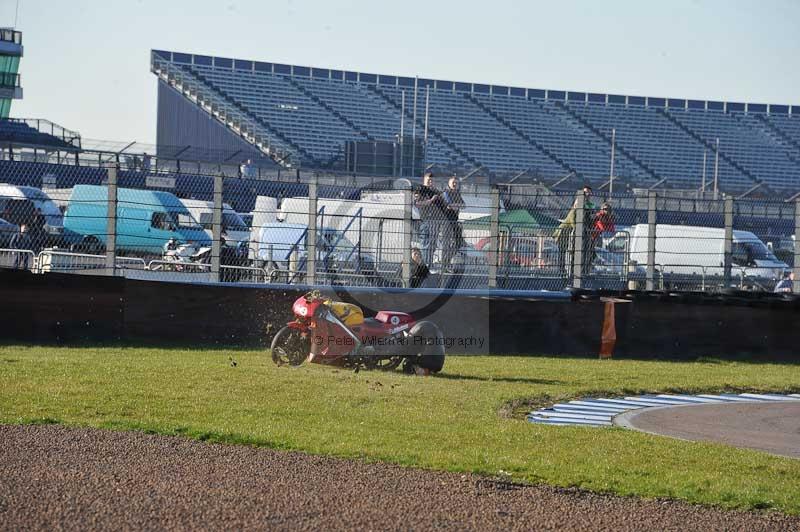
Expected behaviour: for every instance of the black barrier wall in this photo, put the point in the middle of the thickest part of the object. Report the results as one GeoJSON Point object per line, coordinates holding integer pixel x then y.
{"type": "Point", "coordinates": [63, 308]}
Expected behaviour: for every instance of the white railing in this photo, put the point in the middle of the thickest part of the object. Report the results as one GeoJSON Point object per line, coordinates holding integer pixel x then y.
{"type": "Point", "coordinates": [51, 260]}
{"type": "Point", "coordinates": [18, 259]}
{"type": "Point", "coordinates": [243, 274]}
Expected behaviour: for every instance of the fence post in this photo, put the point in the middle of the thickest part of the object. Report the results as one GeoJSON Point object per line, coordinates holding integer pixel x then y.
{"type": "Point", "coordinates": [407, 218]}
{"type": "Point", "coordinates": [216, 229]}
{"type": "Point", "coordinates": [577, 252]}
{"type": "Point", "coordinates": [111, 222]}
{"type": "Point", "coordinates": [728, 206]}
{"type": "Point", "coordinates": [650, 284]}
{"type": "Point", "coordinates": [311, 238]}
{"type": "Point", "coordinates": [796, 267]}
{"type": "Point", "coordinates": [494, 238]}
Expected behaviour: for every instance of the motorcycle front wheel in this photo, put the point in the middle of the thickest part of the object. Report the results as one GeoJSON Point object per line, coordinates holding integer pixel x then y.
{"type": "Point", "coordinates": [289, 347]}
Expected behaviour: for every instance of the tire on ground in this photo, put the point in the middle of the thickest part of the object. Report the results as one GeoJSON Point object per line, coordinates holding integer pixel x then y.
{"type": "Point", "coordinates": [428, 345]}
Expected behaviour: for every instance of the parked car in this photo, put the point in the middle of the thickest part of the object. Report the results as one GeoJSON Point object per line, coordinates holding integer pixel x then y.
{"type": "Point", "coordinates": [7, 232]}
{"type": "Point", "coordinates": [146, 220]}
{"type": "Point", "coordinates": [19, 205]}
{"type": "Point", "coordinates": [523, 251]}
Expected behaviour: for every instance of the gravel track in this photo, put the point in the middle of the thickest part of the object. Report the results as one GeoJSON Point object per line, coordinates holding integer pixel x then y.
{"type": "Point", "coordinates": [59, 478]}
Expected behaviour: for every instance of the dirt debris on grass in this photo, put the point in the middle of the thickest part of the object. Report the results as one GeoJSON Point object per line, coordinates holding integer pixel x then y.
{"type": "Point", "coordinates": [56, 477]}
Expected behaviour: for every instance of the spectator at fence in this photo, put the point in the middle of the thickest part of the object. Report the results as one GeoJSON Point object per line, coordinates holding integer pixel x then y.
{"type": "Point", "coordinates": [451, 231]}
{"type": "Point", "coordinates": [603, 224]}
{"type": "Point", "coordinates": [145, 162]}
{"type": "Point", "coordinates": [785, 285]}
{"type": "Point", "coordinates": [247, 170]}
{"type": "Point", "coordinates": [21, 242]}
{"type": "Point", "coordinates": [566, 230]}
{"type": "Point", "coordinates": [428, 200]}
{"type": "Point", "coordinates": [419, 270]}
{"type": "Point", "coordinates": [36, 232]}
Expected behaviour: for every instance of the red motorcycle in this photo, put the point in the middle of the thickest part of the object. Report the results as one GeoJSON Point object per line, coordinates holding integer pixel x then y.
{"type": "Point", "coordinates": [336, 333]}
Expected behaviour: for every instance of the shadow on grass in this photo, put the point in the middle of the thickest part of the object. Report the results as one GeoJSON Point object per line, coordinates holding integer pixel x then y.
{"type": "Point", "coordinates": [524, 380]}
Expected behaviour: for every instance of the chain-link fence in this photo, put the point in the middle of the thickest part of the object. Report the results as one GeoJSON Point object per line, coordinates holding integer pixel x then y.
{"type": "Point", "coordinates": [434, 233]}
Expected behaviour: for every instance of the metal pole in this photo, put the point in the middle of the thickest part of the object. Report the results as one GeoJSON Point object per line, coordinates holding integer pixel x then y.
{"type": "Point", "coordinates": [703, 181]}
{"type": "Point", "coordinates": [611, 173]}
{"type": "Point", "coordinates": [651, 241]}
{"type": "Point", "coordinates": [796, 269]}
{"type": "Point", "coordinates": [728, 240]}
{"type": "Point", "coordinates": [414, 130]}
{"type": "Point", "coordinates": [216, 229]}
{"type": "Point", "coordinates": [402, 128]}
{"type": "Point", "coordinates": [407, 212]}
{"type": "Point", "coordinates": [427, 104]}
{"type": "Point", "coordinates": [311, 238]}
{"type": "Point", "coordinates": [716, 170]}
{"type": "Point", "coordinates": [111, 222]}
{"type": "Point", "coordinates": [577, 253]}
{"type": "Point", "coordinates": [494, 236]}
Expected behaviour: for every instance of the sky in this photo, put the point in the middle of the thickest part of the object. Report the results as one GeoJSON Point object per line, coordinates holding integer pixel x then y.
{"type": "Point", "coordinates": [86, 62]}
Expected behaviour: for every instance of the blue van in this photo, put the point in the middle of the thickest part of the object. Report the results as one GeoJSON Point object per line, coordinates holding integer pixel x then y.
{"type": "Point", "coordinates": [146, 220]}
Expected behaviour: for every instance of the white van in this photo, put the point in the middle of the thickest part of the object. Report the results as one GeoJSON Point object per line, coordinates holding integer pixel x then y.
{"type": "Point", "coordinates": [235, 230]}
{"type": "Point", "coordinates": [693, 250]}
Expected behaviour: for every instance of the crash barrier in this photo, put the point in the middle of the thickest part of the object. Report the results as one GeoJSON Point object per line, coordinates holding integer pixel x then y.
{"type": "Point", "coordinates": [502, 237]}
{"type": "Point", "coordinates": [67, 308]}
{"type": "Point", "coordinates": [17, 259]}
{"type": "Point", "coordinates": [55, 261]}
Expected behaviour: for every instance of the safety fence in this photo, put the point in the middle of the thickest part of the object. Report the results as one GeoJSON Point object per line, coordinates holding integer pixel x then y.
{"type": "Point", "coordinates": [436, 233]}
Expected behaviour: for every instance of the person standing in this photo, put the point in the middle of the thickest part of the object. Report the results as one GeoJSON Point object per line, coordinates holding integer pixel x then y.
{"type": "Point", "coordinates": [451, 231]}
{"type": "Point", "coordinates": [145, 162]}
{"type": "Point", "coordinates": [428, 200]}
{"type": "Point", "coordinates": [37, 232]}
{"type": "Point", "coordinates": [21, 242]}
{"type": "Point", "coordinates": [603, 223]}
{"type": "Point", "coordinates": [566, 230]}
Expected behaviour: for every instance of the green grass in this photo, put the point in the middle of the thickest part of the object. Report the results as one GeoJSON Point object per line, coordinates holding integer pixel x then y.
{"type": "Point", "coordinates": [458, 421]}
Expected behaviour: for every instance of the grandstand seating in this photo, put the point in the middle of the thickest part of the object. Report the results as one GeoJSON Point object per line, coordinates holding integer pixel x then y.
{"type": "Point", "coordinates": [19, 131]}
{"type": "Point", "coordinates": [507, 130]}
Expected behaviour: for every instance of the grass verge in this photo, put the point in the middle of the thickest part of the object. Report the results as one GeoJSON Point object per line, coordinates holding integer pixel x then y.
{"type": "Point", "coordinates": [467, 419]}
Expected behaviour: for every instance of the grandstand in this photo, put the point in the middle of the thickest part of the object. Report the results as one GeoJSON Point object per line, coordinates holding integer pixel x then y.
{"type": "Point", "coordinates": [37, 132]}
{"type": "Point", "coordinates": [303, 116]}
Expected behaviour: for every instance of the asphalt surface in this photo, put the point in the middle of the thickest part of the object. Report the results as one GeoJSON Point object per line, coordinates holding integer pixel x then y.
{"type": "Point", "coordinates": [53, 477]}
{"type": "Point", "coordinates": [773, 427]}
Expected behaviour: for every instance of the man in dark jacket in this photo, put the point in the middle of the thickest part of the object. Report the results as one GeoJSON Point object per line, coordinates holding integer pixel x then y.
{"type": "Point", "coordinates": [453, 203]}
{"type": "Point", "coordinates": [428, 199]}
{"type": "Point", "coordinates": [419, 270]}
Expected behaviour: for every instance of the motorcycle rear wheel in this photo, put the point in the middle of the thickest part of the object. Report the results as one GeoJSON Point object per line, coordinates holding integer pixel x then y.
{"type": "Point", "coordinates": [289, 347]}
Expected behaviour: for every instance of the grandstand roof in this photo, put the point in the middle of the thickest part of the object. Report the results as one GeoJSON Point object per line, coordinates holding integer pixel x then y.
{"type": "Point", "coordinates": [477, 88]}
